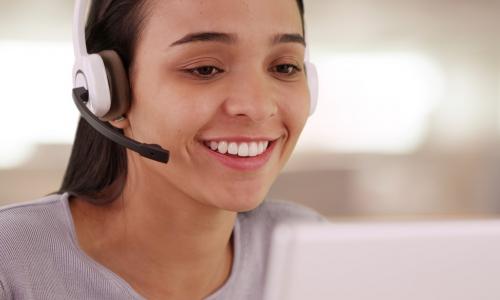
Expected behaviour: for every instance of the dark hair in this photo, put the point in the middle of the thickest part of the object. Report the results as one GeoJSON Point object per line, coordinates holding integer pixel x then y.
{"type": "Point", "coordinates": [97, 167]}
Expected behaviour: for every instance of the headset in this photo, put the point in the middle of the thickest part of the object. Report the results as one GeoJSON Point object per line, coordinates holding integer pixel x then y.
{"type": "Point", "coordinates": [101, 88]}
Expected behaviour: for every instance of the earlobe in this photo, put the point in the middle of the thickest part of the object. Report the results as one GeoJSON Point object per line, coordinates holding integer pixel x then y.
{"type": "Point", "coordinates": [120, 122]}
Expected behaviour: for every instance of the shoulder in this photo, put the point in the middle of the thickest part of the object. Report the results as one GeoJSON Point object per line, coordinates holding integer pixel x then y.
{"type": "Point", "coordinates": [29, 234]}
{"type": "Point", "coordinates": [28, 224]}
{"type": "Point", "coordinates": [28, 214]}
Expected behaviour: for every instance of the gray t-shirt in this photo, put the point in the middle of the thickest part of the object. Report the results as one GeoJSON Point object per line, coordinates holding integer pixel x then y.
{"type": "Point", "coordinates": [40, 257]}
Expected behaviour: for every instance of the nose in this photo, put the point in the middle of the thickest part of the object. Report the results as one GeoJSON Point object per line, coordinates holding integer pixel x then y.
{"type": "Point", "coordinates": [252, 97]}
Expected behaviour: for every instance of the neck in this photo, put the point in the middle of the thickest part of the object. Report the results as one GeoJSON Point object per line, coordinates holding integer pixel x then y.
{"type": "Point", "coordinates": [165, 234]}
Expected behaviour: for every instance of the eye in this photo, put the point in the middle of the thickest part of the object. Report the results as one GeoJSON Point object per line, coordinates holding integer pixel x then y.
{"type": "Point", "coordinates": [286, 69]}
{"type": "Point", "coordinates": [205, 72]}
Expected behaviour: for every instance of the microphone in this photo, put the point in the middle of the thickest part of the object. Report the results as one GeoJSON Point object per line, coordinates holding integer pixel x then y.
{"type": "Point", "coordinates": [151, 151]}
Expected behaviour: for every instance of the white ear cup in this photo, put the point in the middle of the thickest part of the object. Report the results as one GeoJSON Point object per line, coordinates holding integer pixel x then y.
{"type": "Point", "coordinates": [90, 72]}
{"type": "Point", "coordinates": [312, 81]}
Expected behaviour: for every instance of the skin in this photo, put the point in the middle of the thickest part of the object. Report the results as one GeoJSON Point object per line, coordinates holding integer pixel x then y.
{"type": "Point", "coordinates": [173, 222]}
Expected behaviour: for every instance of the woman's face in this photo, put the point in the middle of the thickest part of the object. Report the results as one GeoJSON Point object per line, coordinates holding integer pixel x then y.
{"type": "Point", "coordinates": [216, 82]}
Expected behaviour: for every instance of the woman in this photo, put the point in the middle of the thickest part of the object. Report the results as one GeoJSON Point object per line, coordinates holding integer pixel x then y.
{"type": "Point", "coordinates": [221, 84]}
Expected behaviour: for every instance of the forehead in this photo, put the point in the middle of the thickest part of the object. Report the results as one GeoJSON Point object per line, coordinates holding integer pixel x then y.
{"type": "Point", "coordinates": [248, 19]}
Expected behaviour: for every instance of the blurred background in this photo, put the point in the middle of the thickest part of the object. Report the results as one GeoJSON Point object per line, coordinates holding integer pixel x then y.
{"type": "Point", "coordinates": [408, 123]}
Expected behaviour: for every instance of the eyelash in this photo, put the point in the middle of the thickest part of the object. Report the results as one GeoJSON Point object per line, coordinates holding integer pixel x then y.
{"type": "Point", "coordinates": [193, 71]}
{"type": "Point", "coordinates": [294, 69]}
{"type": "Point", "coordinates": [196, 71]}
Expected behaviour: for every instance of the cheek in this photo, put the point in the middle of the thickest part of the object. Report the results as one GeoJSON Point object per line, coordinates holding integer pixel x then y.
{"type": "Point", "coordinates": [168, 114]}
{"type": "Point", "coordinates": [295, 110]}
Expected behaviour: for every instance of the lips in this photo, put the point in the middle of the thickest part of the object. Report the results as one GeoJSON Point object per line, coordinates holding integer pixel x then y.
{"type": "Point", "coordinates": [241, 154]}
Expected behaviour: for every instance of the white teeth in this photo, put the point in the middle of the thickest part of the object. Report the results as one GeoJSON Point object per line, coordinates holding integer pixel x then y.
{"type": "Point", "coordinates": [222, 147]}
{"type": "Point", "coordinates": [243, 150]}
{"type": "Point", "coordinates": [233, 148]}
{"type": "Point", "coordinates": [240, 149]}
{"type": "Point", "coordinates": [253, 150]}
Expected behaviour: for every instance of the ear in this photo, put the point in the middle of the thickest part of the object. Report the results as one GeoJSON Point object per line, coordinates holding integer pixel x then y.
{"type": "Point", "coordinates": [120, 123]}
{"type": "Point", "coordinates": [118, 85]}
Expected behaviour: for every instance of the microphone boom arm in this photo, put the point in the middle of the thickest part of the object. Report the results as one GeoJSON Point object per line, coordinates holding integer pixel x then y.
{"type": "Point", "coordinates": [151, 151]}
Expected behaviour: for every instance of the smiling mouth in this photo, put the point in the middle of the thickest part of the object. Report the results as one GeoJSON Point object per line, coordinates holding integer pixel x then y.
{"type": "Point", "coordinates": [239, 149]}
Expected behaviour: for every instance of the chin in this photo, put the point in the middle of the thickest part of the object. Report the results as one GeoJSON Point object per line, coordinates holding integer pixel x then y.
{"type": "Point", "coordinates": [239, 193]}
{"type": "Point", "coordinates": [242, 202]}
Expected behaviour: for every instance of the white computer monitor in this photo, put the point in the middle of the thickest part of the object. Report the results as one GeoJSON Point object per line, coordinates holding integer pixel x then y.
{"type": "Point", "coordinates": [450, 260]}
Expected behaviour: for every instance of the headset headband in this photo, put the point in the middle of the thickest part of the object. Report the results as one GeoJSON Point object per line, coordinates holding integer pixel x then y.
{"type": "Point", "coordinates": [80, 20]}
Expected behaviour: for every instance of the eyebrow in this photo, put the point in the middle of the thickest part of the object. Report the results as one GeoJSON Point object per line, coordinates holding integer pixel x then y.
{"type": "Point", "coordinates": [288, 38]}
{"type": "Point", "coordinates": [229, 38]}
